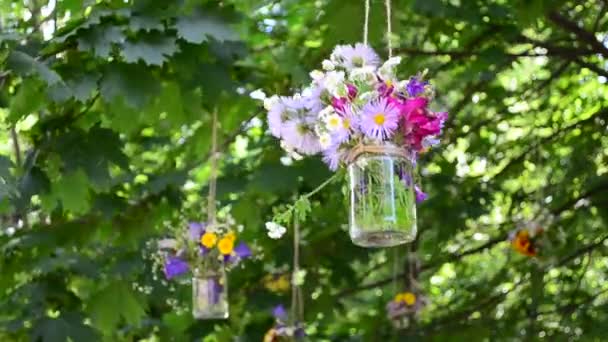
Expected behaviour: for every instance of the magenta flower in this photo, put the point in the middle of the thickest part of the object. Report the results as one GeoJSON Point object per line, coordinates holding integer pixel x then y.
{"type": "Point", "coordinates": [352, 91]}
{"type": "Point", "coordinates": [415, 106]}
{"type": "Point", "coordinates": [175, 266]}
{"type": "Point", "coordinates": [379, 119]}
{"type": "Point", "coordinates": [339, 103]}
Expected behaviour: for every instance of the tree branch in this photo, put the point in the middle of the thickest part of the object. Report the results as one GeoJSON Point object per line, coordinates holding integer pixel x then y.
{"type": "Point", "coordinates": [554, 135]}
{"type": "Point", "coordinates": [562, 52]}
{"type": "Point", "coordinates": [582, 34]}
{"type": "Point", "coordinates": [591, 67]}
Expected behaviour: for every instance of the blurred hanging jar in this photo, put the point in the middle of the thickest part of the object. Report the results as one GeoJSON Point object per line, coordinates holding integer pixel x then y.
{"type": "Point", "coordinates": [382, 197]}
{"type": "Point", "coordinates": [210, 294]}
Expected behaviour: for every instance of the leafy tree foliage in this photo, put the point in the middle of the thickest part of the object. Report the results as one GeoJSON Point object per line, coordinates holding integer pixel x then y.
{"type": "Point", "coordinates": [105, 113]}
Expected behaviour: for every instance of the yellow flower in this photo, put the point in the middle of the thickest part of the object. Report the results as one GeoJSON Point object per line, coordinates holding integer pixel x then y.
{"type": "Point", "coordinates": [277, 283]}
{"type": "Point", "coordinates": [209, 239]}
{"type": "Point", "coordinates": [409, 298]}
{"type": "Point", "coordinates": [406, 297]}
{"type": "Point", "coordinates": [225, 246]}
{"type": "Point", "coordinates": [230, 235]}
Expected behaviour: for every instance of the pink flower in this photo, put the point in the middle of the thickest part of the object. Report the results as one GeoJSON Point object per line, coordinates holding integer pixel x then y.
{"type": "Point", "coordinates": [414, 106]}
{"type": "Point", "coordinates": [352, 91]}
{"type": "Point", "coordinates": [339, 103]}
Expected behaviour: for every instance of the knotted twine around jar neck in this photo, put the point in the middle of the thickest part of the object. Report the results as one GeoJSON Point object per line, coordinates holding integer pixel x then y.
{"type": "Point", "coordinates": [360, 149]}
{"type": "Point", "coordinates": [389, 29]}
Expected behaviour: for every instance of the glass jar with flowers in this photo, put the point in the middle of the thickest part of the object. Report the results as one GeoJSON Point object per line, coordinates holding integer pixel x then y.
{"type": "Point", "coordinates": [359, 115]}
{"type": "Point", "coordinates": [205, 251]}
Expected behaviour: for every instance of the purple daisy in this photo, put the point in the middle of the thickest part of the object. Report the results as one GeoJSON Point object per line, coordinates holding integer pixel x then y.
{"type": "Point", "coordinates": [356, 56]}
{"type": "Point", "coordinates": [332, 156]}
{"type": "Point", "coordinates": [175, 266]}
{"type": "Point", "coordinates": [301, 136]}
{"type": "Point", "coordinates": [379, 119]}
{"type": "Point", "coordinates": [314, 99]}
{"type": "Point", "coordinates": [195, 230]}
{"type": "Point", "coordinates": [415, 87]}
{"type": "Point", "coordinates": [277, 117]}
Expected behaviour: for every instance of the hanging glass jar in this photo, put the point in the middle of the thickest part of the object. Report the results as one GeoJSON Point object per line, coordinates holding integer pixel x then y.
{"type": "Point", "coordinates": [382, 198]}
{"type": "Point", "coordinates": [210, 294]}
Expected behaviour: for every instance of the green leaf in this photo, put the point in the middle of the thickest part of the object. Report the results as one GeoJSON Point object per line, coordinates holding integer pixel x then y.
{"type": "Point", "coordinates": [28, 99]}
{"type": "Point", "coordinates": [5, 167]}
{"type": "Point", "coordinates": [198, 28]}
{"type": "Point", "coordinates": [171, 102]}
{"type": "Point", "coordinates": [25, 65]}
{"type": "Point", "coordinates": [133, 83]}
{"type": "Point", "coordinates": [144, 23]}
{"type": "Point", "coordinates": [67, 327]}
{"type": "Point", "coordinates": [152, 49]}
{"type": "Point", "coordinates": [81, 150]}
{"type": "Point", "coordinates": [114, 302]}
{"type": "Point", "coordinates": [100, 39]}
{"type": "Point", "coordinates": [72, 190]}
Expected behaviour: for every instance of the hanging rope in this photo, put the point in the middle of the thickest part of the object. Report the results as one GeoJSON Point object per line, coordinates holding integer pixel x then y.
{"type": "Point", "coordinates": [389, 29]}
{"type": "Point", "coordinates": [213, 172]}
{"type": "Point", "coordinates": [366, 22]}
{"type": "Point", "coordinates": [395, 268]}
{"type": "Point", "coordinates": [297, 299]}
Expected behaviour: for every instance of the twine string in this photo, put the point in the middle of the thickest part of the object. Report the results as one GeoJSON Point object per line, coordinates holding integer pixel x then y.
{"type": "Point", "coordinates": [297, 299]}
{"type": "Point", "coordinates": [389, 29]}
{"type": "Point", "coordinates": [360, 149]}
{"type": "Point", "coordinates": [366, 22]}
{"type": "Point", "coordinates": [213, 172]}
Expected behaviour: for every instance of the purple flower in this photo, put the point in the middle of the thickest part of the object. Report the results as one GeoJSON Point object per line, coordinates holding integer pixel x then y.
{"type": "Point", "coordinates": [356, 56]}
{"type": "Point", "coordinates": [214, 289]}
{"type": "Point", "coordinates": [313, 100]}
{"type": "Point", "coordinates": [421, 196]}
{"type": "Point", "coordinates": [242, 250]}
{"type": "Point", "coordinates": [415, 87]}
{"type": "Point", "coordinates": [299, 332]}
{"type": "Point", "coordinates": [174, 267]}
{"type": "Point", "coordinates": [195, 230]}
{"type": "Point", "coordinates": [277, 116]}
{"type": "Point", "coordinates": [301, 136]}
{"type": "Point", "coordinates": [379, 119]}
{"type": "Point", "coordinates": [332, 156]}
{"type": "Point", "coordinates": [279, 313]}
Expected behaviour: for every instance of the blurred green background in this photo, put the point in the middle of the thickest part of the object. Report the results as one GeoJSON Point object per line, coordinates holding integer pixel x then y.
{"type": "Point", "coordinates": [105, 137]}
